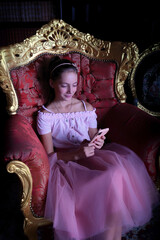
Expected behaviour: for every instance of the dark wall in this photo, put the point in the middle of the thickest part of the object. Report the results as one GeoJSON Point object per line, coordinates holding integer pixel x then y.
{"type": "Point", "coordinates": [115, 21]}
{"type": "Point", "coordinates": [106, 20]}
{"type": "Point", "coordinates": [21, 19]}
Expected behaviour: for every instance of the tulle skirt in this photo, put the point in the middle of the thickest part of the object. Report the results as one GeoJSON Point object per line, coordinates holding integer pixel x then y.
{"type": "Point", "coordinates": [88, 198]}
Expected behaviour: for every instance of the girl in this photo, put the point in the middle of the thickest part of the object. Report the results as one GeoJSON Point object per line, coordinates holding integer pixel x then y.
{"type": "Point", "coordinates": [93, 193]}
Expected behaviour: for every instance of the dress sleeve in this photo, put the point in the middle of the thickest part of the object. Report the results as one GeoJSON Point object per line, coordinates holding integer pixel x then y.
{"type": "Point", "coordinates": [92, 119]}
{"type": "Point", "coordinates": [43, 123]}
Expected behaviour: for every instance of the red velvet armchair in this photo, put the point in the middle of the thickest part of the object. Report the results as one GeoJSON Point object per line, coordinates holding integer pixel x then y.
{"type": "Point", "coordinates": [103, 68]}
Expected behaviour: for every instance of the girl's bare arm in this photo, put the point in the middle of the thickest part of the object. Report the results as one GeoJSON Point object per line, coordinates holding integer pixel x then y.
{"type": "Point", "coordinates": [83, 151]}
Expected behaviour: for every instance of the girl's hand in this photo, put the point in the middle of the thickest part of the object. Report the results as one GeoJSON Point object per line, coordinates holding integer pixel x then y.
{"type": "Point", "coordinates": [89, 151]}
{"type": "Point", "coordinates": [85, 151]}
{"type": "Point", "coordinates": [98, 143]}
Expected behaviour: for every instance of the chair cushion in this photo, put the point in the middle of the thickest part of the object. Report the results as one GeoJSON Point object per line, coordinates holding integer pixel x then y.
{"type": "Point", "coordinates": [95, 84]}
{"type": "Point", "coordinates": [137, 130]}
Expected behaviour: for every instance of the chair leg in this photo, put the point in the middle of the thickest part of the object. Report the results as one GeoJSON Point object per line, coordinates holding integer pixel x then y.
{"type": "Point", "coordinates": [31, 223]}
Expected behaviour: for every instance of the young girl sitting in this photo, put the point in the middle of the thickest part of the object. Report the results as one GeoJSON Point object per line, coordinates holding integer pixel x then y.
{"type": "Point", "coordinates": [93, 193]}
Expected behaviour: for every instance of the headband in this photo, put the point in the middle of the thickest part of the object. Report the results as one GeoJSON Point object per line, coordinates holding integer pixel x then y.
{"type": "Point", "coordinates": [61, 64]}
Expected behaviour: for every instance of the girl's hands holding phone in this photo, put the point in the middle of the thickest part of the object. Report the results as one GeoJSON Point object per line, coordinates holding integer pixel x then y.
{"type": "Point", "coordinates": [99, 142]}
{"type": "Point", "coordinates": [87, 149]}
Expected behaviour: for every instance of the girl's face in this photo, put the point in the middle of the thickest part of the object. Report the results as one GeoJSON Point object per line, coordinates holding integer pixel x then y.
{"type": "Point", "coordinates": [66, 86]}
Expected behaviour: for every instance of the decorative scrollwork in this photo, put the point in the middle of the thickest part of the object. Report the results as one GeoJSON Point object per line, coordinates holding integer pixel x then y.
{"type": "Point", "coordinates": [30, 222]}
{"type": "Point", "coordinates": [24, 174]}
{"type": "Point", "coordinates": [129, 58]}
{"type": "Point", "coordinates": [65, 38]}
{"type": "Point", "coordinates": [58, 37]}
{"type": "Point", "coordinates": [7, 86]}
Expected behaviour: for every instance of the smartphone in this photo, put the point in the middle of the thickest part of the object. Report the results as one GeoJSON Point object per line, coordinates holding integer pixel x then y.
{"type": "Point", "coordinates": [101, 132]}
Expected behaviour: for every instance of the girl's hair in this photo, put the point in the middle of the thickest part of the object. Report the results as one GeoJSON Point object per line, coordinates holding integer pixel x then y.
{"type": "Point", "coordinates": [57, 66]}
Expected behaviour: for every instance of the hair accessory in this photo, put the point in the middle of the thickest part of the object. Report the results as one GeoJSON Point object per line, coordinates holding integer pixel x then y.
{"type": "Point", "coordinates": [61, 64]}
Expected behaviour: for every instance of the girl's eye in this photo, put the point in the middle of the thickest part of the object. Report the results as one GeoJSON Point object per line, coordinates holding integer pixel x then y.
{"type": "Point", "coordinates": [63, 86]}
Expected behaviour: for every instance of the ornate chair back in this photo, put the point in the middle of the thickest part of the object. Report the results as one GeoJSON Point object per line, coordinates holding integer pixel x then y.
{"type": "Point", "coordinates": [103, 68]}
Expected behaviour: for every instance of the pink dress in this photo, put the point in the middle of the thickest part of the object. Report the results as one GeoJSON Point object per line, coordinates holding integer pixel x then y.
{"type": "Point", "coordinates": [87, 198]}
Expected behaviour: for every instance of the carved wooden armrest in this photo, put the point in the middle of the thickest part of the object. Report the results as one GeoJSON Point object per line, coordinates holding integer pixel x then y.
{"type": "Point", "coordinates": [31, 223]}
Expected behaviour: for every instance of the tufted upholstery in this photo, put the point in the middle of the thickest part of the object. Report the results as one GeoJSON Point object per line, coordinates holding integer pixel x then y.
{"type": "Point", "coordinates": [95, 84]}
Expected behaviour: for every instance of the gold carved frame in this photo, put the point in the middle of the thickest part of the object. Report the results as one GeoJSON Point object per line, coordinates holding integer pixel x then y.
{"type": "Point", "coordinates": [143, 55]}
{"type": "Point", "coordinates": [57, 37]}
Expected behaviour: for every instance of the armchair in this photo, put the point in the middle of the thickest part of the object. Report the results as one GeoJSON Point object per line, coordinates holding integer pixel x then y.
{"type": "Point", "coordinates": [103, 67]}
